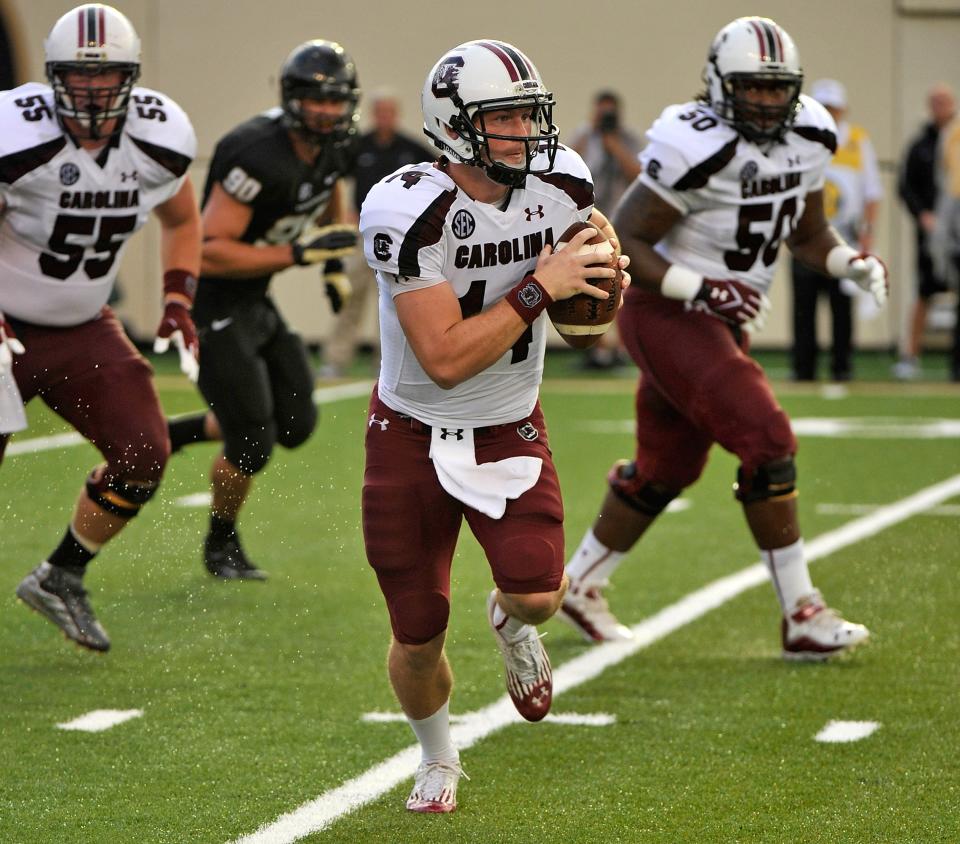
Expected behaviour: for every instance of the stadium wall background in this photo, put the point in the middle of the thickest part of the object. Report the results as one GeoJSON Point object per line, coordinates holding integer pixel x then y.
{"type": "Point", "coordinates": [219, 59]}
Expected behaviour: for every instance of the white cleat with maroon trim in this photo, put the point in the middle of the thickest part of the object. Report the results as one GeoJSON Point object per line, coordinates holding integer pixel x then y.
{"type": "Point", "coordinates": [586, 610]}
{"type": "Point", "coordinates": [435, 787]}
{"type": "Point", "coordinates": [527, 668]}
{"type": "Point", "coordinates": [813, 632]}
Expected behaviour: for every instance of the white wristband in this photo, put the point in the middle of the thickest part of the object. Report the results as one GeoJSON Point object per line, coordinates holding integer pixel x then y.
{"type": "Point", "coordinates": [838, 260]}
{"type": "Point", "coordinates": [680, 283]}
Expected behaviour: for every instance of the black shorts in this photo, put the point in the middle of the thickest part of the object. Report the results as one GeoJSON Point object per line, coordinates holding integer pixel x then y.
{"type": "Point", "coordinates": [927, 282]}
{"type": "Point", "coordinates": [253, 369]}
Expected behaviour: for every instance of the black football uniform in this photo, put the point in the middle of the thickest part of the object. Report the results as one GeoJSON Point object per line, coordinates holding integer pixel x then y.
{"type": "Point", "coordinates": [254, 371]}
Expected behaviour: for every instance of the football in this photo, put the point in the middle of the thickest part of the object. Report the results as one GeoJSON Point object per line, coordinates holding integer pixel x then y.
{"type": "Point", "coordinates": [582, 320]}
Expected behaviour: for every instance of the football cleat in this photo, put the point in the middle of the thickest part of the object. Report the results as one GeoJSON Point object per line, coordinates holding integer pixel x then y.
{"type": "Point", "coordinates": [586, 610]}
{"type": "Point", "coordinates": [527, 667]}
{"type": "Point", "coordinates": [435, 787]}
{"type": "Point", "coordinates": [813, 632]}
{"type": "Point", "coordinates": [58, 594]}
{"type": "Point", "coordinates": [225, 558]}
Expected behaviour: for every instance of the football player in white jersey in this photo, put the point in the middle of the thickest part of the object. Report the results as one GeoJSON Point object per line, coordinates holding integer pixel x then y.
{"type": "Point", "coordinates": [83, 161]}
{"type": "Point", "coordinates": [725, 180]}
{"type": "Point", "coordinates": [462, 249]}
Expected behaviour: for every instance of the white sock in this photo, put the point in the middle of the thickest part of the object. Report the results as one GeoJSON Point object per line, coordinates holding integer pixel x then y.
{"type": "Point", "coordinates": [434, 735]}
{"type": "Point", "coordinates": [789, 573]}
{"type": "Point", "coordinates": [509, 627]}
{"type": "Point", "coordinates": [593, 562]}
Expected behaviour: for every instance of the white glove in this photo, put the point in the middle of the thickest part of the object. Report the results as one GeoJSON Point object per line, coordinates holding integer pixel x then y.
{"type": "Point", "coordinates": [756, 325]}
{"type": "Point", "coordinates": [12, 415]}
{"type": "Point", "coordinates": [9, 345]}
{"type": "Point", "coordinates": [868, 271]}
{"type": "Point", "coordinates": [189, 365]}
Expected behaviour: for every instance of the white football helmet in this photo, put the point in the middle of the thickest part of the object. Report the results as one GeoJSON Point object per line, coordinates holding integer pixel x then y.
{"type": "Point", "coordinates": [474, 79]}
{"type": "Point", "coordinates": [90, 40]}
{"type": "Point", "coordinates": [753, 78]}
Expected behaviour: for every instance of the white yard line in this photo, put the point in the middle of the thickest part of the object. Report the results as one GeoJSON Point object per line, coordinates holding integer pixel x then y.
{"type": "Point", "coordinates": [100, 720]}
{"type": "Point", "coordinates": [827, 509]}
{"type": "Point", "coordinates": [321, 812]}
{"type": "Point", "coordinates": [845, 731]}
{"type": "Point", "coordinates": [846, 427]}
{"type": "Point", "coordinates": [322, 395]}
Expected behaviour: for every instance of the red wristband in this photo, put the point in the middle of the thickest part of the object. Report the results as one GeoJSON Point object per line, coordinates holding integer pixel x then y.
{"type": "Point", "coordinates": [529, 298]}
{"type": "Point", "coordinates": [179, 287]}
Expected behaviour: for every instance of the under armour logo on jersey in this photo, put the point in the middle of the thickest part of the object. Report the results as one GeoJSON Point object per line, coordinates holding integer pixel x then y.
{"type": "Point", "coordinates": [528, 432]}
{"type": "Point", "coordinates": [653, 169]}
{"type": "Point", "coordinates": [305, 191]}
{"type": "Point", "coordinates": [381, 422]}
{"type": "Point", "coordinates": [69, 173]}
{"type": "Point", "coordinates": [749, 171]}
{"type": "Point", "coordinates": [529, 213]}
{"type": "Point", "coordinates": [793, 161]}
{"type": "Point", "coordinates": [456, 433]}
{"type": "Point", "coordinates": [133, 177]}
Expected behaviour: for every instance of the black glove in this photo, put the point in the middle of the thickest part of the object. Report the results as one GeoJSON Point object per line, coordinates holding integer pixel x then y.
{"type": "Point", "coordinates": [337, 284]}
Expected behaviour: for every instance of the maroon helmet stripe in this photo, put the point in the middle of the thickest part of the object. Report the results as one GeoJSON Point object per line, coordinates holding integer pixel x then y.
{"type": "Point", "coordinates": [763, 50]}
{"type": "Point", "coordinates": [518, 60]}
{"type": "Point", "coordinates": [80, 19]}
{"type": "Point", "coordinates": [500, 54]}
{"type": "Point", "coordinates": [774, 55]}
{"type": "Point", "coordinates": [103, 27]}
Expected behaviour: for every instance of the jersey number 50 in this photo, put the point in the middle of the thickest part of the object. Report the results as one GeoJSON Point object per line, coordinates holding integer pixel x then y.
{"type": "Point", "coordinates": [752, 243]}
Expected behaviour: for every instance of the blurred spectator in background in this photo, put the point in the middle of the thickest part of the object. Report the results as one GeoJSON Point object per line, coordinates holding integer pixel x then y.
{"type": "Point", "coordinates": [945, 236]}
{"type": "Point", "coordinates": [380, 152]}
{"type": "Point", "coordinates": [918, 190]}
{"type": "Point", "coordinates": [851, 198]}
{"type": "Point", "coordinates": [612, 154]}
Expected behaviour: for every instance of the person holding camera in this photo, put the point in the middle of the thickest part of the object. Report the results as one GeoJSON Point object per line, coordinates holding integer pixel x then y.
{"type": "Point", "coordinates": [612, 153]}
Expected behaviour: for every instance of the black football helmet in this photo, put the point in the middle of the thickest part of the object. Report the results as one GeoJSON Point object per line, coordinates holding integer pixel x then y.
{"type": "Point", "coordinates": [320, 70]}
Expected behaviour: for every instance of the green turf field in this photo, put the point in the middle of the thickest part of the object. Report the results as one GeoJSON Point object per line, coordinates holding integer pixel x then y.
{"type": "Point", "coordinates": [253, 693]}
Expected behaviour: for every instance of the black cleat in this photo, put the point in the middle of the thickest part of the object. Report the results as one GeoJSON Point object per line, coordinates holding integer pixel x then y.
{"type": "Point", "coordinates": [225, 558]}
{"type": "Point", "coordinates": [59, 595]}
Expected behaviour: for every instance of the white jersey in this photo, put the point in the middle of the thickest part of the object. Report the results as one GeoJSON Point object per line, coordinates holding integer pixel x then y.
{"type": "Point", "coordinates": [69, 213]}
{"type": "Point", "coordinates": [739, 200]}
{"type": "Point", "coordinates": [419, 229]}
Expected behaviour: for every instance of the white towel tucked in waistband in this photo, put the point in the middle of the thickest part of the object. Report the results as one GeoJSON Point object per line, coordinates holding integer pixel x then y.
{"type": "Point", "coordinates": [487, 486]}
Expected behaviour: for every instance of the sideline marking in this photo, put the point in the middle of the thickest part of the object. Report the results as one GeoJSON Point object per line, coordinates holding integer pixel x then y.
{"type": "Point", "coordinates": [100, 720]}
{"type": "Point", "coordinates": [575, 719]}
{"type": "Point", "coordinates": [843, 731]}
{"type": "Point", "coordinates": [323, 811]}
{"type": "Point", "coordinates": [321, 395]}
